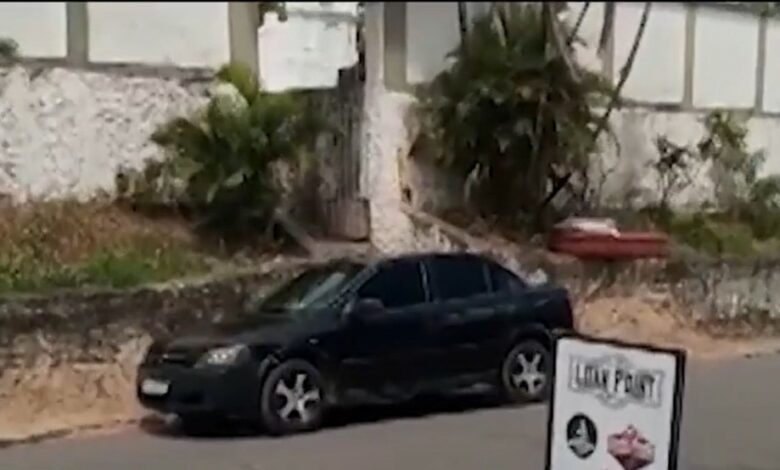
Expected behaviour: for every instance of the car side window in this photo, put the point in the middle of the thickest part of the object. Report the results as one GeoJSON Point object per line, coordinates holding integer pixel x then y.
{"type": "Point", "coordinates": [459, 277]}
{"type": "Point", "coordinates": [396, 285]}
{"type": "Point", "coordinates": [504, 281]}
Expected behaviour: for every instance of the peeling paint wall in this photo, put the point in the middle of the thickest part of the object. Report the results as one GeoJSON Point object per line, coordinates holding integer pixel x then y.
{"type": "Point", "coordinates": [308, 49]}
{"type": "Point", "coordinates": [114, 71]}
{"type": "Point", "coordinates": [385, 140]}
{"type": "Point", "coordinates": [64, 132]}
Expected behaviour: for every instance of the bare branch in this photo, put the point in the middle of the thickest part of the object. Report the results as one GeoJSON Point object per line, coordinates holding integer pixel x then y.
{"type": "Point", "coordinates": [559, 41]}
{"type": "Point", "coordinates": [462, 23]}
{"type": "Point", "coordinates": [578, 24]}
{"type": "Point", "coordinates": [624, 72]}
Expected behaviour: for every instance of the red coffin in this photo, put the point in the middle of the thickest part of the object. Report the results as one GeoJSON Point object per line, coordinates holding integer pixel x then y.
{"type": "Point", "coordinates": [625, 245]}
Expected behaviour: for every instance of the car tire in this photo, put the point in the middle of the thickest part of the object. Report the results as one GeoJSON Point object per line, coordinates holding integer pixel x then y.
{"type": "Point", "coordinates": [526, 373]}
{"type": "Point", "coordinates": [292, 398]}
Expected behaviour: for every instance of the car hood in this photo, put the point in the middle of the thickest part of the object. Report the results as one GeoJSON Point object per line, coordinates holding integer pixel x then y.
{"type": "Point", "coordinates": [271, 329]}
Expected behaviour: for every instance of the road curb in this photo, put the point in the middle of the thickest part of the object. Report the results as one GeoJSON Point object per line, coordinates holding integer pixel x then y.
{"type": "Point", "coordinates": [62, 433]}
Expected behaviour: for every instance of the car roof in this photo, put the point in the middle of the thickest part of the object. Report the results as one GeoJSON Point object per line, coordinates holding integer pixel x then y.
{"type": "Point", "coordinates": [369, 260]}
{"type": "Point", "coordinates": [426, 256]}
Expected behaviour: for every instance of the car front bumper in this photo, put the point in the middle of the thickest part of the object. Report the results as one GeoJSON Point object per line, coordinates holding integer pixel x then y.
{"type": "Point", "coordinates": [229, 391]}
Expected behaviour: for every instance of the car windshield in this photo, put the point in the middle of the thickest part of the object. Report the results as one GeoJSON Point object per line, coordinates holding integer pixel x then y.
{"type": "Point", "coordinates": [312, 289]}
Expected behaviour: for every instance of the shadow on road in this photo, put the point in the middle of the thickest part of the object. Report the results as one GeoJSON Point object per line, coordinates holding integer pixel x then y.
{"type": "Point", "coordinates": [339, 418]}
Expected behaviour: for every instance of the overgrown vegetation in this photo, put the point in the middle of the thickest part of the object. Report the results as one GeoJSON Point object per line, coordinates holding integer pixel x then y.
{"type": "Point", "coordinates": [223, 174]}
{"type": "Point", "coordinates": [9, 51]}
{"type": "Point", "coordinates": [513, 113]}
{"type": "Point", "coordinates": [70, 244]}
{"type": "Point", "coordinates": [223, 161]}
{"type": "Point", "coordinates": [743, 216]}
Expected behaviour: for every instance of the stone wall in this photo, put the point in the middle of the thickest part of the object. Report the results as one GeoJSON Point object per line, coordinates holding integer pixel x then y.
{"type": "Point", "coordinates": [68, 360]}
{"type": "Point", "coordinates": [84, 326]}
{"type": "Point", "coordinates": [65, 132]}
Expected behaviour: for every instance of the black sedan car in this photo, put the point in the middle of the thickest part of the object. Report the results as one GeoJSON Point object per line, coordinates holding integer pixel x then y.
{"type": "Point", "coordinates": [347, 332]}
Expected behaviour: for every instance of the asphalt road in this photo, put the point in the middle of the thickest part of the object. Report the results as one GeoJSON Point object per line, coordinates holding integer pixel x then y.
{"type": "Point", "coordinates": [730, 422]}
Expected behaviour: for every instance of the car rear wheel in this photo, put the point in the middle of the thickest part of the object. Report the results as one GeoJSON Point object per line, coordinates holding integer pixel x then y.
{"type": "Point", "coordinates": [292, 398]}
{"type": "Point", "coordinates": [525, 373]}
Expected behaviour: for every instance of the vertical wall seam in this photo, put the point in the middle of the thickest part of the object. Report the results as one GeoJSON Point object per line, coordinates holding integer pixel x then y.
{"type": "Point", "coordinates": [243, 23]}
{"type": "Point", "coordinates": [395, 46]}
{"type": "Point", "coordinates": [77, 32]}
{"type": "Point", "coordinates": [763, 23]}
{"type": "Point", "coordinates": [690, 55]}
{"type": "Point", "coordinates": [608, 66]}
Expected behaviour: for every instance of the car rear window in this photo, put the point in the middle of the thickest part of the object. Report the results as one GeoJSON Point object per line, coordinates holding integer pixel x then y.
{"type": "Point", "coordinates": [459, 277]}
{"type": "Point", "coordinates": [504, 281]}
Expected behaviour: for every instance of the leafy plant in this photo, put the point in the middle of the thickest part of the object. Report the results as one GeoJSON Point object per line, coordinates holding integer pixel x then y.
{"type": "Point", "coordinates": [746, 207]}
{"type": "Point", "coordinates": [9, 50]}
{"type": "Point", "coordinates": [267, 7]}
{"type": "Point", "coordinates": [226, 153]}
{"type": "Point", "coordinates": [509, 111]}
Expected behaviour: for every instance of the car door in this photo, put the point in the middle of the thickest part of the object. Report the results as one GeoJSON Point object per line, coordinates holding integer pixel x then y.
{"type": "Point", "coordinates": [466, 324]}
{"type": "Point", "coordinates": [388, 352]}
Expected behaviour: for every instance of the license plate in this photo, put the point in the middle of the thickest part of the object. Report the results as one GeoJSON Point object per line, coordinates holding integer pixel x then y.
{"type": "Point", "coordinates": [154, 387]}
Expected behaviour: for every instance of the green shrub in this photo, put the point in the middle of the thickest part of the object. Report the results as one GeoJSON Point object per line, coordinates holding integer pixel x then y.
{"type": "Point", "coordinates": [746, 213]}
{"type": "Point", "coordinates": [225, 154]}
{"type": "Point", "coordinates": [509, 110]}
{"type": "Point", "coordinates": [9, 50]}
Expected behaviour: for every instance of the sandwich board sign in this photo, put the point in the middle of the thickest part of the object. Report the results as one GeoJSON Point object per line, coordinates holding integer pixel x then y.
{"type": "Point", "coordinates": [614, 406]}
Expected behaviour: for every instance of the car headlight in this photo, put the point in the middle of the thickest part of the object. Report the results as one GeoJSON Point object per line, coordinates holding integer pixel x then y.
{"type": "Point", "coordinates": [223, 356]}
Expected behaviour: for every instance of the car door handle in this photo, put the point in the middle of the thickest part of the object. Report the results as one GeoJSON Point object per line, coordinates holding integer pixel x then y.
{"type": "Point", "coordinates": [451, 318]}
{"type": "Point", "coordinates": [481, 311]}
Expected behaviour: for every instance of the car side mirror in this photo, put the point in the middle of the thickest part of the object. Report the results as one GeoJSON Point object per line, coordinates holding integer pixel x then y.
{"type": "Point", "coordinates": [365, 309]}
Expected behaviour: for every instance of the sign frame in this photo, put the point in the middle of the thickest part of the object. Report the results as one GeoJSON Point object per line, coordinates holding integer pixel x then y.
{"type": "Point", "coordinates": [680, 357]}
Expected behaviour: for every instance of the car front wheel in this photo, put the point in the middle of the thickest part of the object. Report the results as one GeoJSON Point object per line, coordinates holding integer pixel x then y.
{"type": "Point", "coordinates": [525, 373]}
{"type": "Point", "coordinates": [292, 398]}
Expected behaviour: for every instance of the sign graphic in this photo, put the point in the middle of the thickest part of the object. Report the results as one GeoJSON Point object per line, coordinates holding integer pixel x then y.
{"type": "Point", "coordinates": [631, 449]}
{"type": "Point", "coordinates": [614, 406]}
{"type": "Point", "coordinates": [615, 381]}
{"type": "Point", "coordinates": [581, 436]}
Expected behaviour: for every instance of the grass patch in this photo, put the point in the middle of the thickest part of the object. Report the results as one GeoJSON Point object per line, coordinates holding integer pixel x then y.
{"type": "Point", "coordinates": [53, 245]}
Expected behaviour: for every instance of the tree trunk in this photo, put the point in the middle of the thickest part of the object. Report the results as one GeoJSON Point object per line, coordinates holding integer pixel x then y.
{"type": "Point", "coordinates": [463, 24]}
{"type": "Point", "coordinates": [624, 73]}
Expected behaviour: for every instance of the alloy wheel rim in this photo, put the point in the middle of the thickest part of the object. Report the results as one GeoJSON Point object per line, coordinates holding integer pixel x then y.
{"type": "Point", "coordinates": [297, 397]}
{"type": "Point", "coordinates": [527, 372]}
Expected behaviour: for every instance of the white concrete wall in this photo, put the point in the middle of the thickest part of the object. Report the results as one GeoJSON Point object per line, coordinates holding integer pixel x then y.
{"type": "Point", "coordinates": [189, 34]}
{"type": "Point", "coordinates": [385, 140]}
{"type": "Point", "coordinates": [630, 179]}
{"type": "Point", "coordinates": [725, 59]}
{"type": "Point", "coordinates": [772, 68]}
{"type": "Point", "coordinates": [65, 132]}
{"type": "Point", "coordinates": [589, 32]}
{"type": "Point", "coordinates": [658, 73]}
{"type": "Point", "coordinates": [38, 27]}
{"type": "Point", "coordinates": [432, 32]}
{"type": "Point", "coordinates": [308, 49]}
